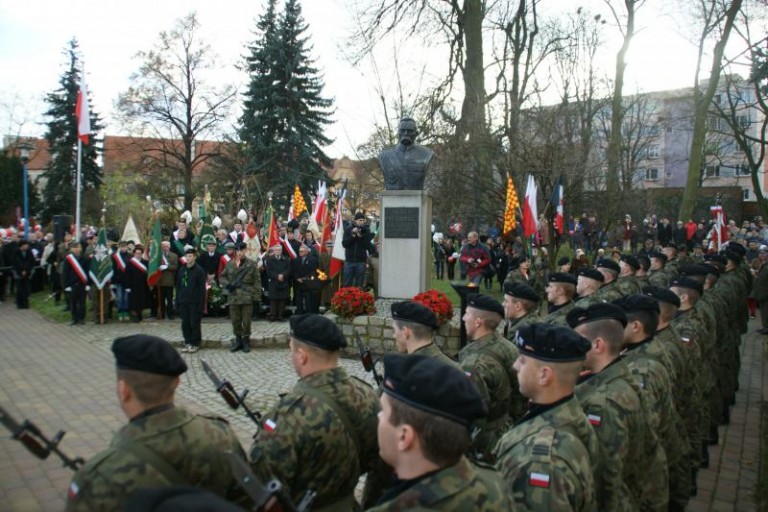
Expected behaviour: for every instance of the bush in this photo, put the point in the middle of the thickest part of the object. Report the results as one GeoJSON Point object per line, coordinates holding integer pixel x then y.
{"type": "Point", "coordinates": [438, 302]}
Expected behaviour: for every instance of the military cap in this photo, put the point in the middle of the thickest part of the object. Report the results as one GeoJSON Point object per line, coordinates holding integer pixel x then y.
{"type": "Point", "coordinates": [188, 249]}
{"type": "Point", "coordinates": [636, 303]}
{"type": "Point", "coordinates": [716, 258]}
{"type": "Point", "coordinates": [318, 331]}
{"type": "Point", "coordinates": [698, 270]}
{"type": "Point", "coordinates": [599, 311]}
{"type": "Point", "coordinates": [229, 245]}
{"type": "Point", "coordinates": [433, 386]}
{"type": "Point", "coordinates": [763, 248]}
{"type": "Point", "coordinates": [411, 311]}
{"type": "Point", "coordinates": [145, 353]}
{"type": "Point", "coordinates": [521, 291]}
{"type": "Point", "coordinates": [359, 215]}
{"type": "Point", "coordinates": [662, 294]}
{"type": "Point", "coordinates": [208, 239]}
{"type": "Point", "coordinates": [591, 273]}
{"type": "Point", "coordinates": [630, 260]}
{"type": "Point", "coordinates": [733, 256]}
{"type": "Point", "coordinates": [607, 263]}
{"type": "Point", "coordinates": [737, 248]}
{"type": "Point", "coordinates": [552, 343]}
{"type": "Point", "coordinates": [563, 261]}
{"type": "Point", "coordinates": [485, 303]}
{"type": "Point", "coordinates": [687, 282]}
{"type": "Point", "coordinates": [562, 277]}
{"type": "Point", "coordinates": [669, 245]}
{"type": "Point", "coordinates": [240, 246]}
{"type": "Point", "coordinates": [659, 255]}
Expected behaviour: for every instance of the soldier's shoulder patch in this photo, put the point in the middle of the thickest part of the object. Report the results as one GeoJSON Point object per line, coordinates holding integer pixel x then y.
{"type": "Point", "coordinates": [269, 425]}
{"type": "Point", "coordinates": [685, 340]}
{"type": "Point", "coordinates": [538, 479]}
{"type": "Point", "coordinates": [595, 419]}
{"type": "Point", "coordinates": [73, 491]}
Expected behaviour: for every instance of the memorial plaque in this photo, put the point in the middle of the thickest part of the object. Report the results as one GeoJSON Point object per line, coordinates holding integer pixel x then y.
{"type": "Point", "coordinates": [401, 223]}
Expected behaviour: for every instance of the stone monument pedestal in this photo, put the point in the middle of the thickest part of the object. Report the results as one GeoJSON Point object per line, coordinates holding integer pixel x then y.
{"type": "Point", "coordinates": [405, 243]}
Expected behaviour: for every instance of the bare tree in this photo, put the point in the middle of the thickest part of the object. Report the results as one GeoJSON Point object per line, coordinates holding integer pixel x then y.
{"type": "Point", "coordinates": [171, 101]}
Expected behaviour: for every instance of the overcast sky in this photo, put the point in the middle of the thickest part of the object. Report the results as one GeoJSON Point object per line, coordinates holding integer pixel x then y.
{"type": "Point", "coordinates": [33, 36]}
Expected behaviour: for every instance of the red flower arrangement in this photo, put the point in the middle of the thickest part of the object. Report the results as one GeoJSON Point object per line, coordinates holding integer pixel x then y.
{"type": "Point", "coordinates": [438, 302]}
{"type": "Point", "coordinates": [352, 301]}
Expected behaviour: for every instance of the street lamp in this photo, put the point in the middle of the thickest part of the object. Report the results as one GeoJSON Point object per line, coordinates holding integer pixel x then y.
{"type": "Point", "coordinates": [24, 150]}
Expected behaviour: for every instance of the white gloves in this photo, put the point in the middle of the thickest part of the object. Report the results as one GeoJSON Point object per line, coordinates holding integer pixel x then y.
{"type": "Point", "coordinates": [68, 289]}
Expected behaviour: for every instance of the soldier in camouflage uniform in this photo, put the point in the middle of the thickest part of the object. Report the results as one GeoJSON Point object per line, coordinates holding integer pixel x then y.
{"type": "Point", "coordinates": [657, 275]}
{"type": "Point", "coordinates": [648, 363]}
{"type": "Point", "coordinates": [488, 361]}
{"type": "Point", "coordinates": [641, 275]}
{"type": "Point", "coordinates": [523, 275]}
{"type": "Point", "coordinates": [610, 290]}
{"type": "Point", "coordinates": [427, 412]}
{"type": "Point", "coordinates": [588, 282]}
{"type": "Point", "coordinates": [734, 285]}
{"type": "Point", "coordinates": [627, 282]}
{"type": "Point", "coordinates": [162, 445]}
{"type": "Point", "coordinates": [241, 283]}
{"type": "Point", "coordinates": [632, 468]}
{"type": "Point", "coordinates": [549, 457]}
{"type": "Point", "coordinates": [520, 308]}
{"type": "Point", "coordinates": [413, 325]}
{"type": "Point", "coordinates": [561, 288]}
{"type": "Point", "coordinates": [320, 436]}
{"type": "Point", "coordinates": [672, 267]}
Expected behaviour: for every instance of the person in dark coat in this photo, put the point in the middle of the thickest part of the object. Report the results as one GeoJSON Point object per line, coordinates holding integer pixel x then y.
{"type": "Point", "coordinates": [23, 266]}
{"type": "Point", "coordinates": [136, 284]}
{"type": "Point", "coordinates": [279, 273]}
{"type": "Point", "coordinates": [304, 273]}
{"type": "Point", "coordinates": [190, 300]}
{"type": "Point", "coordinates": [74, 277]}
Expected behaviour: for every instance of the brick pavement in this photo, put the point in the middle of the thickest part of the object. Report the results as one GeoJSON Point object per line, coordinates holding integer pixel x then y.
{"type": "Point", "coordinates": [62, 377]}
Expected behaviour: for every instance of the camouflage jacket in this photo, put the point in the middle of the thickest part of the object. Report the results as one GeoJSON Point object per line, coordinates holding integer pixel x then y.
{"type": "Point", "coordinates": [683, 384]}
{"type": "Point", "coordinates": [463, 486]}
{"type": "Point", "coordinates": [557, 317]}
{"type": "Point", "coordinates": [629, 285]}
{"type": "Point", "coordinates": [659, 278]}
{"type": "Point", "coordinates": [432, 350]}
{"type": "Point", "coordinates": [631, 460]}
{"type": "Point", "coordinates": [195, 446]}
{"type": "Point", "coordinates": [672, 268]}
{"type": "Point", "coordinates": [247, 280]}
{"type": "Point", "coordinates": [306, 444]}
{"type": "Point", "coordinates": [609, 292]}
{"type": "Point", "coordinates": [488, 363]}
{"type": "Point", "coordinates": [548, 459]}
{"type": "Point", "coordinates": [518, 323]}
{"type": "Point", "coordinates": [585, 302]}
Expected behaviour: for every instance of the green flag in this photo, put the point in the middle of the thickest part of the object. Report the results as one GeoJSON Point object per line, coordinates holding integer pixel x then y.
{"type": "Point", "coordinates": [101, 264]}
{"type": "Point", "coordinates": [155, 255]}
{"type": "Point", "coordinates": [206, 234]}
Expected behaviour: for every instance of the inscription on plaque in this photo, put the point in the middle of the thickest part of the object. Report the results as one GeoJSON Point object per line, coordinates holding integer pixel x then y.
{"type": "Point", "coordinates": [401, 223]}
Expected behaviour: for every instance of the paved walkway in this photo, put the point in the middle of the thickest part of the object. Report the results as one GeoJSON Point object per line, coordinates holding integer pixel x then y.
{"type": "Point", "coordinates": [63, 377]}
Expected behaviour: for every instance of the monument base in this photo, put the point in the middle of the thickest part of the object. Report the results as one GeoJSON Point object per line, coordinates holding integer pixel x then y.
{"type": "Point", "coordinates": [405, 243]}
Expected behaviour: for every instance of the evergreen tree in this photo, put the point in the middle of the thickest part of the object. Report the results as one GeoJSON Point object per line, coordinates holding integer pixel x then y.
{"type": "Point", "coordinates": [61, 174]}
{"type": "Point", "coordinates": [284, 112]}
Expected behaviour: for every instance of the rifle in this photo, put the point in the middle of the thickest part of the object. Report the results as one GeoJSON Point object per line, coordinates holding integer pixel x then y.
{"type": "Point", "coordinates": [367, 359]}
{"type": "Point", "coordinates": [36, 442]}
{"type": "Point", "coordinates": [266, 498]}
{"type": "Point", "coordinates": [227, 391]}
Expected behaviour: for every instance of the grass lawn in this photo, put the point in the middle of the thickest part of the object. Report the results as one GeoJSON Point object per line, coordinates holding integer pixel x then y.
{"type": "Point", "coordinates": [48, 308]}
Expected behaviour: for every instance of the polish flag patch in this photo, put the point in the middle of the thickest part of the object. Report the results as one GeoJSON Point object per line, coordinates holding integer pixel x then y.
{"type": "Point", "coordinates": [594, 419]}
{"type": "Point", "coordinates": [686, 340]}
{"type": "Point", "coordinates": [73, 490]}
{"type": "Point", "coordinates": [270, 425]}
{"type": "Point", "coordinates": [539, 480]}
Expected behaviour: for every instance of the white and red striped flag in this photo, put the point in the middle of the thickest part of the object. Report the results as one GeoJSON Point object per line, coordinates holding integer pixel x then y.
{"type": "Point", "coordinates": [83, 113]}
{"type": "Point", "coordinates": [337, 255]}
{"type": "Point", "coordinates": [719, 233]}
{"type": "Point", "coordinates": [530, 212]}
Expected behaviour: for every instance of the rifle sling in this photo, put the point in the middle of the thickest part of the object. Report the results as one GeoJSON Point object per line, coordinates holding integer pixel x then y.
{"type": "Point", "coordinates": [160, 465]}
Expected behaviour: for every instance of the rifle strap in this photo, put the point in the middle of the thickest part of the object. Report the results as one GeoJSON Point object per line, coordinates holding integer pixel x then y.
{"type": "Point", "coordinates": [325, 399]}
{"type": "Point", "coordinates": [160, 465]}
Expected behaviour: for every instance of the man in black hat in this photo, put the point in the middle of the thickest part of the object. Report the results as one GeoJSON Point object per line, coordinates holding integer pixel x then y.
{"type": "Point", "coordinates": [488, 361]}
{"type": "Point", "coordinates": [521, 303]}
{"type": "Point", "coordinates": [650, 365]}
{"type": "Point", "coordinates": [357, 245]}
{"type": "Point", "coordinates": [547, 368]}
{"type": "Point", "coordinates": [610, 290]}
{"type": "Point", "coordinates": [627, 282]}
{"type": "Point", "coordinates": [190, 300]}
{"type": "Point", "coordinates": [657, 275]}
{"type": "Point", "coordinates": [413, 326]}
{"type": "Point", "coordinates": [162, 444]}
{"type": "Point", "coordinates": [561, 288]}
{"type": "Point", "coordinates": [428, 409]}
{"type": "Point", "coordinates": [588, 282]}
{"type": "Point", "coordinates": [23, 265]}
{"type": "Point", "coordinates": [322, 434]}
{"type": "Point", "coordinates": [611, 399]}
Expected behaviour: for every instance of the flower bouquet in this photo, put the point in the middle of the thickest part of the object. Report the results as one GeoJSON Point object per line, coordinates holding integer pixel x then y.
{"type": "Point", "coordinates": [438, 302]}
{"type": "Point", "coordinates": [351, 302]}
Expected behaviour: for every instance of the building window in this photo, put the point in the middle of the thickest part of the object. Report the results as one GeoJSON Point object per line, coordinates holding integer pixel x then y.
{"type": "Point", "coordinates": [743, 121]}
{"type": "Point", "coordinates": [712, 171]}
{"type": "Point", "coordinates": [745, 194]}
{"type": "Point", "coordinates": [742, 170]}
{"type": "Point", "coordinates": [651, 174]}
{"type": "Point", "coordinates": [653, 151]}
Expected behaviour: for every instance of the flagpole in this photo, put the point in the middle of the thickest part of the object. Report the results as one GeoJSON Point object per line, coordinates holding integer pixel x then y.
{"type": "Point", "coordinates": [77, 190]}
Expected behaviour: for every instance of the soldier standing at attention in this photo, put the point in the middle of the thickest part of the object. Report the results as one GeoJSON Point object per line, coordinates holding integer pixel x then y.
{"type": "Point", "coordinates": [322, 434]}
{"type": "Point", "coordinates": [588, 282]}
{"type": "Point", "coordinates": [520, 307]}
{"type": "Point", "coordinates": [427, 412]}
{"type": "Point", "coordinates": [631, 460]}
{"type": "Point", "coordinates": [610, 290]}
{"type": "Point", "coordinates": [549, 457]}
{"type": "Point", "coordinates": [162, 444]}
{"type": "Point", "coordinates": [561, 288]}
{"type": "Point", "coordinates": [413, 325]}
{"type": "Point", "coordinates": [488, 361]}
{"type": "Point", "coordinates": [241, 283]}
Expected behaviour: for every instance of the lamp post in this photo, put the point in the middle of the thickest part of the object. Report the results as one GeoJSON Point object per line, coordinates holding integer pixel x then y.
{"type": "Point", "coordinates": [24, 150]}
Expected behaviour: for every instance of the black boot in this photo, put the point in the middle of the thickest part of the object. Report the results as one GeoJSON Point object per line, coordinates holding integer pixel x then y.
{"type": "Point", "coordinates": [246, 344]}
{"type": "Point", "coordinates": [714, 435]}
{"type": "Point", "coordinates": [726, 413]}
{"type": "Point", "coordinates": [704, 456]}
{"type": "Point", "coordinates": [694, 487]}
{"type": "Point", "coordinates": [237, 345]}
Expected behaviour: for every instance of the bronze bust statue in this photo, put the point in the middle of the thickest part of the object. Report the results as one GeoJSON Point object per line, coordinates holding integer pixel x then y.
{"type": "Point", "coordinates": [405, 165]}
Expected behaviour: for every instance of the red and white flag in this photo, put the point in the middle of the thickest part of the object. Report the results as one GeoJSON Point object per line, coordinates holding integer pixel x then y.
{"type": "Point", "coordinates": [83, 113]}
{"type": "Point", "coordinates": [319, 205]}
{"type": "Point", "coordinates": [530, 212]}
{"type": "Point", "coordinates": [719, 233]}
{"type": "Point", "coordinates": [337, 255]}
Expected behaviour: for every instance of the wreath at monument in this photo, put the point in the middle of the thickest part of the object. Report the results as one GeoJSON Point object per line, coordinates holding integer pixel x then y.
{"type": "Point", "coordinates": [351, 301]}
{"type": "Point", "coordinates": [438, 302]}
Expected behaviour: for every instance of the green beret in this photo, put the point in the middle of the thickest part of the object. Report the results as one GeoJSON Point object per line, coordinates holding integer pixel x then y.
{"type": "Point", "coordinates": [318, 331]}
{"type": "Point", "coordinates": [145, 353]}
{"type": "Point", "coordinates": [433, 386]}
{"type": "Point", "coordinates": [410, 311]}
{"type": "Point", "coordinates": [485, 303]}
{"type": "Point", "coordinates": [553, 343]}
{"type": "Point", "coordinates": [599, 311]}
